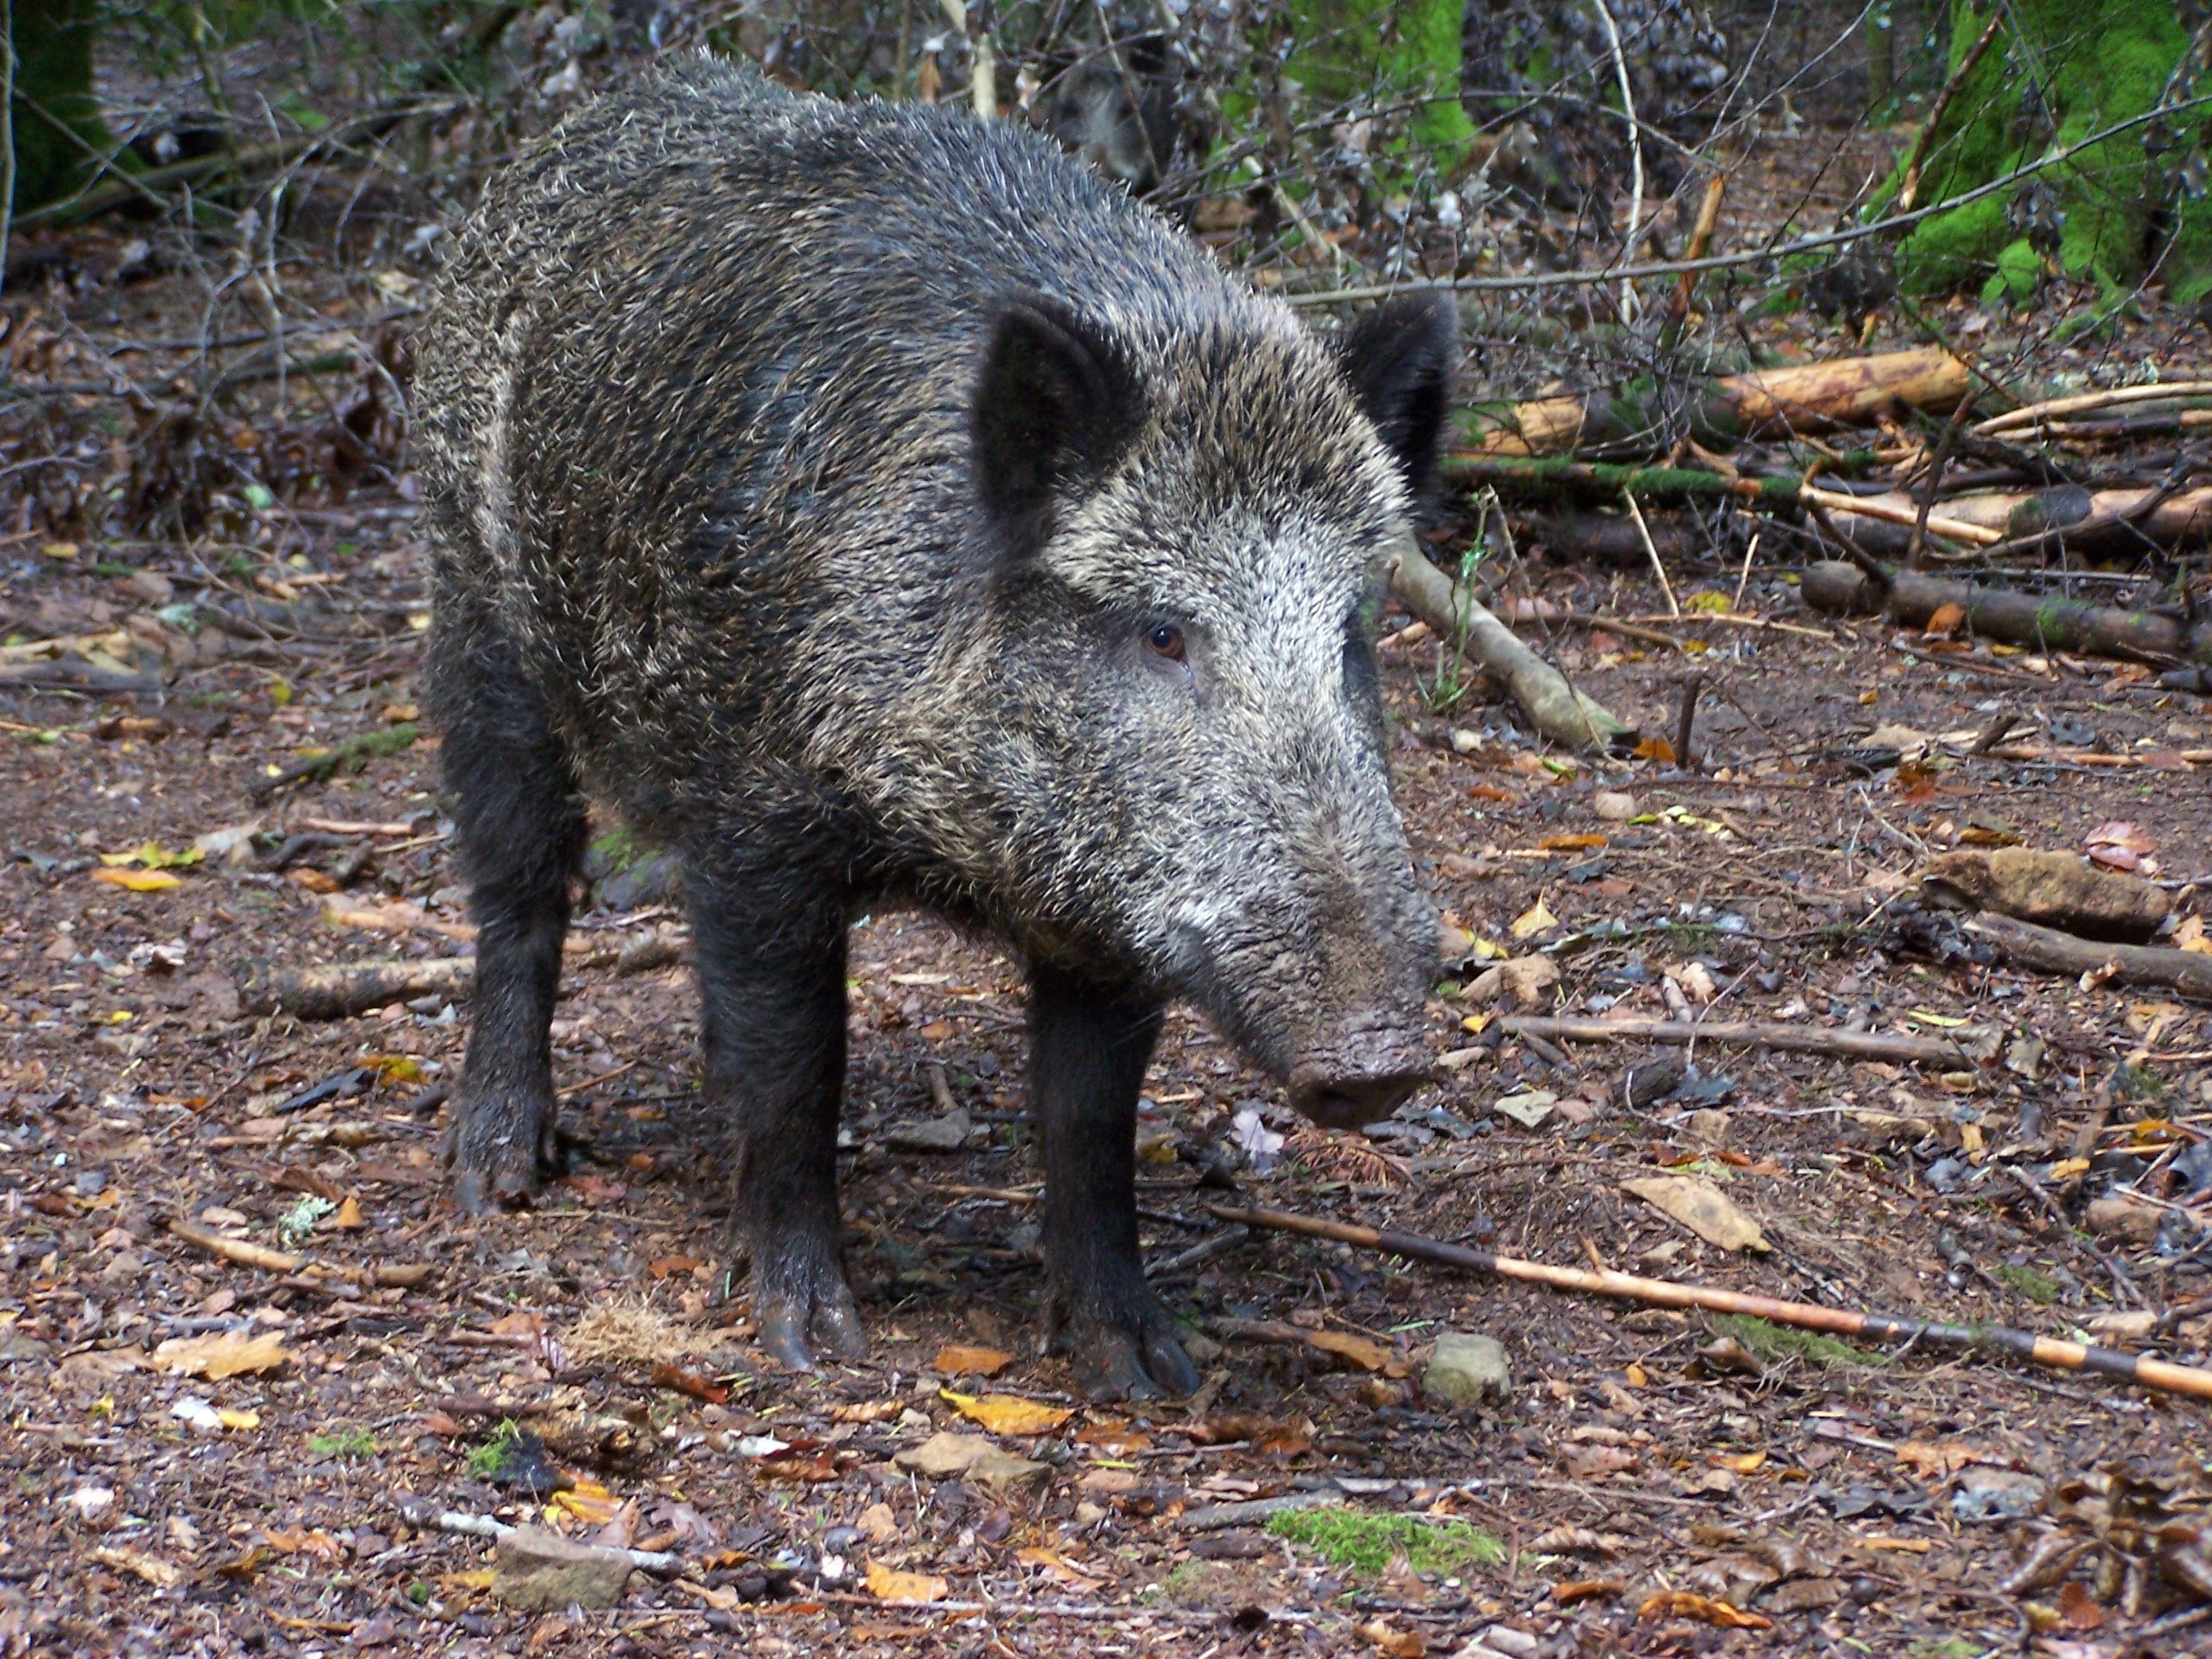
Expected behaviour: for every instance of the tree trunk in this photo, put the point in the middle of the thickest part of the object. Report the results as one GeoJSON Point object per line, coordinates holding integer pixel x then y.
{"type": "Point", "coordinates": [54, 117]}
{"type": "Point", "coordinates": [2057, 73]}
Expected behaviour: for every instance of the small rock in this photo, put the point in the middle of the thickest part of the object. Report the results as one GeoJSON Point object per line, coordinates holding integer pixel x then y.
{"type": "Point", "coordinates": [1004, 1473]}
{"type": "Point", "coordinates": [1992, 1495]}
{"type": "Point", "coordinates": [1234, 1544]}
{"type": "Point", "coordinates": [1612, 805]}
{"type": "Point", "coordinates": [1504, 1638]}
{"type": "Point", "coordinates": [1466, 1369]}
{"type": "Point", "coordinates": [196, 1414]}
{"type": "Point", "coordinates": [2054, 890]}
{"type": "Point", "coordinates": [534, 1568]}
{"type": "Point", "coordinates": [2126, 1217]}
{"type": "Point", "coordinates": [1709, 1127]}
{"type": "Point", "coordinates": [948, 1133]}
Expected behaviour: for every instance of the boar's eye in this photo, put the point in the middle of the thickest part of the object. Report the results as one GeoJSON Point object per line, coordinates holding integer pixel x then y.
{"type": "Point", "coordinates": [1165, 640]}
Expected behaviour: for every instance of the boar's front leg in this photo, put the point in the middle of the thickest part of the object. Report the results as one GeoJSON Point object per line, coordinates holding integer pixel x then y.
{"type": "Point", "coordinates": [772, 994]}
{"type": "Point", "coordinates": [1088, 1050]}
{"type": "Point", "coordinates": [519, 823]}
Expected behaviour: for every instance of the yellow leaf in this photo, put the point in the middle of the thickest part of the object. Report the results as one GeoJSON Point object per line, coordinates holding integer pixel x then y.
{"type": "Point", "coordinates": [958, 1360]}
{"type": "Point", "coordinates": [1637, 1376]}
{"type": "Point", "coordinates": [1712, 604]}
{"type": "Point", "coordinates": [163, 1575]}
{"type": "Point", "coordinates": [220, 1354]}
{"type": "Point", "coordinates": [396, 1068]}
{"type": "Point", "coordinates": [151, 855]}
{"type": "Point", "coordinates": [137, 881]}
{"type": "Point", "coordinates": [237, 1419]}
{"type": "Point", "coordinates": [1006, 1413]}
{"type": "Point", "coordinates": [888, 1586]}
{"type": "Point", "coordinates": [1059, 1566]}
{"type": "Point", "coordinates": [1941, 1022]}
{"type": "Point", "coordinates": [1474, 1022]}
{"type": "Point", "coordinates": [2067, 1168]}
{"type": "Point", "coordinates": [1536, 920]}
{"type": "Point", "coordinates": [1491, 951]}
{"type": "Point", "coordinates": [476, 1578]}
{"type": "Point", "coordinates": [588, 1501]}
{"type": "Point", "coordinates": [1740, 1462]}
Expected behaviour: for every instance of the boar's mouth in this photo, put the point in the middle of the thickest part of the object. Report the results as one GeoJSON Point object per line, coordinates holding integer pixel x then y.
{"type": "Point", "coordinates": [1359, 1076]}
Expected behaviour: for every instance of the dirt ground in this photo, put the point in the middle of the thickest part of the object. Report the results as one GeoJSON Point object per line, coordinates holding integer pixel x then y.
{"type": "Point", "coordinates": [1650, 1482]}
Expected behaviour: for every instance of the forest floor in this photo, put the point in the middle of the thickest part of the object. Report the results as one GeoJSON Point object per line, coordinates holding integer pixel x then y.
{"type": "Point", "coordinates": [213, 1457]}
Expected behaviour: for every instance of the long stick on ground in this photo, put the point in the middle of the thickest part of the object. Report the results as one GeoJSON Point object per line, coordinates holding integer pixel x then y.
{"type": "Point", "coordinates": [1659, 1292]}
{"type": "Point", "coordinates": [1799, 1039]}
{"type": "Point", "coordinates": [1557, 709]}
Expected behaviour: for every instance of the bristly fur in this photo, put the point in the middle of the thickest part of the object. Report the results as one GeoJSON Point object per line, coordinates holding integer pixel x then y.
{"type": "Point", "coordinates": [702, 410]}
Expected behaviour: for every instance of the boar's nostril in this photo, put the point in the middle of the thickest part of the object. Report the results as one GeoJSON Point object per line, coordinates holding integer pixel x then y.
{"type": "Point", "coordinates": [1351, 1102]}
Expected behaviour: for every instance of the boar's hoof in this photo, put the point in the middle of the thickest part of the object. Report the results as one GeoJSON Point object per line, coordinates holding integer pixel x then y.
{"type": "Point", "coordinates": [496, 1159]}
{"type": "Point", "coordinates": [813, 1310]}
{"type": "Point", "coordinates": [1138, 1360]}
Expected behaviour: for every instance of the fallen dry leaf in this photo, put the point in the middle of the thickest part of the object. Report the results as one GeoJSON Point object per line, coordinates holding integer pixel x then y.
{"type": "Point", "coordinates": [1702, 1207]}
{"type": "Point", "coordinates": [1947, 620]}
{"type": "Point", "coordinates": [2119, 844]}
{"type": "Point", "coordinates": [1932, 1463]}
{"type": "Point", "coordinates": [886, 1585]}
{"type": "Point", "coordinates": [587, 1501]}
{"type": "Point", "coordinates": [1006, 1413]}
{"type": "Point", "coordinates": [959, 1359]}
{"type": "Point", "coordinates": [163, 1575]}
{"type": "Point", "coordinates": [1386, 1638]}
{"type": "Point", "coordinates": [1059, 1566]}
{"type": "Point", "coordinates": [867, 1411]}
{"type": "Point", "coordinates": [220, 1354]}
{"type": "Point", "coordinates": [1682, 1604]}
{"type": "Point", "coordinates": [1361, 1351]}
{"type": "Point", "coordinates": [1536, 920]}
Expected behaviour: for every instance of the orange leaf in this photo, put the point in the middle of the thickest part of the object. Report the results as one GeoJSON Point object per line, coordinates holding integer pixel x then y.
{"type": "Point", "coordinates": [1367, 1354]}
{"type": "Point", "coordinates": [1947, 620]}
{"type": "Point", "coordinates": [958, 1360]}
{"type": "Point", "coordinates": [1741, 1463]}
{"type": "Point", "coordinates": [911, 1587]}
{"type": "Point", "coordinates": [1655, 749]}
{"type": "Point", "coordinates": [1933, 1462]}
{"type": "Point", "coordinates": [1387, 1639]}
{"type": "Point", "coordinates": [1682, 1604]}
{"type": "Point", "coordinates": [1570, 843]}
{"type": "Point", "coordinates": [667, 1267]}
{"type": "Point", "coordinates": [1491, 792]}
{"type": "Point", "coordinates": [347, 1217]}
{"type": "Point", "coordinates": [666, 1375]}
{"type": "Point", "coordinates": [867, 1411]}
{"type": "Point", "coordinates": [1006, 1413]}
{"type": "Point", "coordinates": [1586, 1589]}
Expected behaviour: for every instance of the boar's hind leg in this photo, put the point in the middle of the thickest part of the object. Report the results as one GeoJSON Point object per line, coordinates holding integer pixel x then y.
{"type": "Point", "coordinates": [519, 825]}
{"type": "Point", "coordinates": [1088, 1050]}
{"type": "Point", "coordinates": [772, 991]}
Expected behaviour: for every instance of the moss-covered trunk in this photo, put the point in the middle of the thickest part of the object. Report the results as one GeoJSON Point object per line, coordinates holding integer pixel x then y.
{"type": "Point", "coordinates": [2127, 205]}
{"type": "Point", "coordinates": [53, 117]}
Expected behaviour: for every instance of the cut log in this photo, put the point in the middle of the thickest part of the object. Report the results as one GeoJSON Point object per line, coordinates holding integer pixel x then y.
{"type": "Point", "coordinates": [1555, 708]}
{"type": "Point", "coordinates": [2045, 621]}
{"type": "Point", "coordinates": [2189, 973]}
{"type": "Point", "coordinates": [1806, 398]}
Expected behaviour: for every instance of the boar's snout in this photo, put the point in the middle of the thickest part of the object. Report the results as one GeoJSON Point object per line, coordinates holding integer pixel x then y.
{"type": "Point", "coordinates": [1359, 1076]}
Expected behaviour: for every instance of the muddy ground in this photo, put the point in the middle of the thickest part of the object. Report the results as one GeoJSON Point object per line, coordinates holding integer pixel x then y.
{"type": "Point", "coordinates": [1651, 1482]}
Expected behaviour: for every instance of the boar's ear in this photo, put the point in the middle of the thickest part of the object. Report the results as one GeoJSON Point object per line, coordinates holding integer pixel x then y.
{"type": "Point", "coordinates": [1399, 358]}
{"type": "Point", "coordinates": [1056, 405]}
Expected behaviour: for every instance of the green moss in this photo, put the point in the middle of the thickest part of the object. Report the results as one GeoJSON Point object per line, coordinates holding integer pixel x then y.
{"type": "Point", "coordinates": [352, 1442]}
{"type": "Point", "coordinates": [488, 1459]}
{"type": "Point", "coordinates": [1368, 1543]}
{"type": "Point", "coordinates": [2039, 1288]}
{"type": "Point", "coordinates": [1773, 1343]}
{"type": "Point", "coordinates": [2018, 274]}
{"type": "Point", "coordinates": [620, 847]}
{"type": "Point", "coordinates": [2062, 71]}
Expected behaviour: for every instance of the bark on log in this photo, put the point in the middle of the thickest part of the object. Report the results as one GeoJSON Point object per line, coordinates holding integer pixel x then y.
{"type": "Point", "coordinates": [1607, 481]}
{"type": "Point", "coordinates": [1796, 1039]}
{"type": "Point", "coordinates": [2043, 621]}
{"type": "Point", "coordinates": [1555, 708]}
{"type": "Point", "coordinates": [2187, 972]}
{"type": "Point", "coordinates": [340, 989]}
{"type": "Point", "coordinates": [2087, 521]}
{"type": "Point", "coordinates": [1807, 398]}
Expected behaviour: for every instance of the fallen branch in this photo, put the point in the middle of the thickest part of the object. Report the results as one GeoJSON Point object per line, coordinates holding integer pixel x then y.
{"type": "Point", "coordinates": [1840, 1322]}
{"type": "Point", "coordinates": [1555, 708]}
{"type": "Point", "coordinates": [2046, 622]}
{"type": "Point", "coordinates": [2116, 397]}
{"type": "Point", "coordinates": [1607, 480]}
{"type": "Point", "coordinates": [339, 990]}
{"type": "Point", "coordinates": [243, 1254]}
{"type": "Point", "coordinates": [1804, 1039]}
{"type": "Point", "coordinates": [2187, 972]}
{"type": "Point", "coordinates": [320, 763]}
{"type": "Point", "coordinates": [422, 1512]}
{"type": "Point", "coordinates": [1810, 397]}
